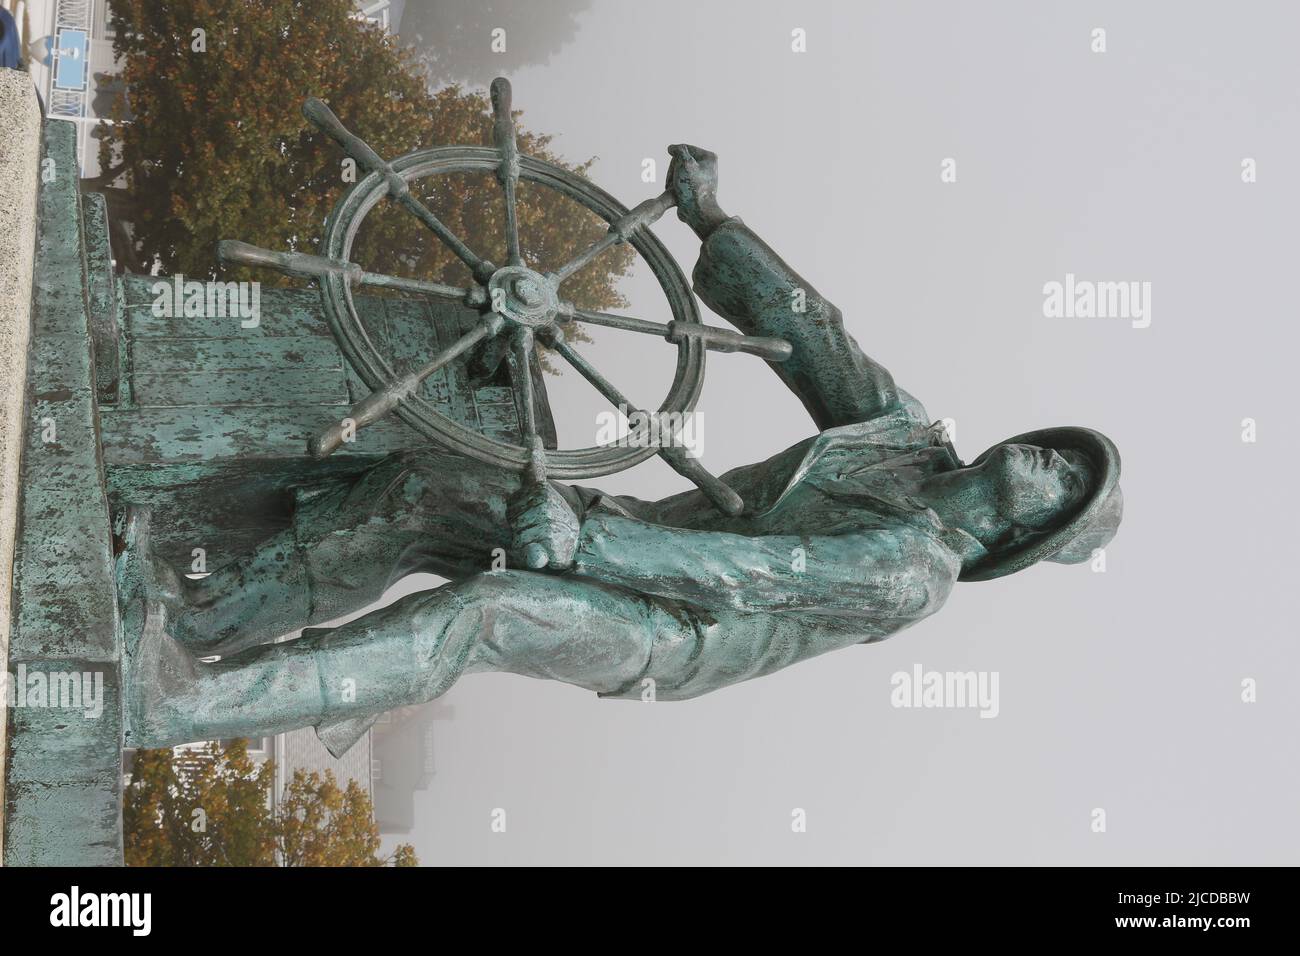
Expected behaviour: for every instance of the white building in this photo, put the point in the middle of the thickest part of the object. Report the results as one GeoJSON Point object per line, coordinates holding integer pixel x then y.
{"type": "Point", "coordinates": [68, 49]}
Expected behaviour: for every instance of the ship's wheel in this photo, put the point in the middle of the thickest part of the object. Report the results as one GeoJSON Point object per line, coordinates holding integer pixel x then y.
{"type": "Point", "coordinates": [517, 304]}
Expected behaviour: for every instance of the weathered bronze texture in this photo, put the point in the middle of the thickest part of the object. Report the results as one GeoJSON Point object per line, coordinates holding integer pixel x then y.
{"type": "Point", "coordinates": [843, 539]}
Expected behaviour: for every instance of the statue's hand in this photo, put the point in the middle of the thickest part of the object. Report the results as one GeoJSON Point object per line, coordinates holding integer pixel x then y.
{"type": "Point", "coordinates": [693, 181]}
{"type": "Point", "coordinates": [544, 527]}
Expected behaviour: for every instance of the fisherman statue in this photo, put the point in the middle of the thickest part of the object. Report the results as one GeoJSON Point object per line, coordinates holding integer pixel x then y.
{"type": "Point", "coordinates": [845, 538]}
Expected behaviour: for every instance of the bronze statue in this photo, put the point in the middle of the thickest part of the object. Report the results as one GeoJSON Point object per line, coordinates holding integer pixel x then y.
{"type": "Point", "coordinates": [844, 538]}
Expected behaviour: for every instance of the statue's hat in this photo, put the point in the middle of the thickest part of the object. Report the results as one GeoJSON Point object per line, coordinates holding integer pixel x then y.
{"type": "Point", "coordinates": [1104, 458]}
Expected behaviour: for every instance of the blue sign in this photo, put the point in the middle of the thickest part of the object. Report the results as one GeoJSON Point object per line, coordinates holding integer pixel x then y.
{"type": "Point", "coordinates": [71, 49]}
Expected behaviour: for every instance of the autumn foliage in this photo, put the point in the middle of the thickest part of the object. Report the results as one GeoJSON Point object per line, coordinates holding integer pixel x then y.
{"type": "Point", "coordinates": [209, 143]}
{"type": "Point", "coordinates": [211, 807]}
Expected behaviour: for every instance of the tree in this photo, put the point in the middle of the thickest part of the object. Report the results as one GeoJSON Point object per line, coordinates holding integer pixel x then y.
{"type": "Point", "coordinates": [319, 824]}
{"type": "Point", "coordinates": [211, 807]}
{"type": "Point", "coordinates": [211, 144]}
{"type": "Point", "coordinates": [202, 808]}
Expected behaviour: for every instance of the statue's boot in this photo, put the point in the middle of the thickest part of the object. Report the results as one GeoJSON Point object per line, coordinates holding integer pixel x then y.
{"type": "Point", "coordinates": [173, 697]}
{"type": "Point", "coordinates": [148, 595]}
{"type": "Point", "coordinates": [335, 679]}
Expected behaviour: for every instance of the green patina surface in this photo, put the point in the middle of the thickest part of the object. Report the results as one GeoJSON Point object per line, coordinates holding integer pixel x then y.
{"type": "Point", "coordinates": [841, 540]}
{"type": "Point", "coordinates": [101, 297]}
{"type": "Point", "coordinates": [63, 769]}
{"type": "Point", "coordinates": [214, 418]}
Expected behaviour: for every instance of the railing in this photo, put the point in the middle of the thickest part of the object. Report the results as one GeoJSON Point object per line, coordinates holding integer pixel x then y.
{"type": "Point", "coordinates": [71, 17]}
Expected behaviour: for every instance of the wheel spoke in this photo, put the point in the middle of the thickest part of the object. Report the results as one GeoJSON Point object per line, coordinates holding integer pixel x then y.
{"type": "Point", "coordinates": [625, 322]}
{"type": "Point", "coordinates": [714, 488]}
{"type": "Point", "coordinates": [303, 265]}
{"type": "Point", "coordinates": [482, 268]}
{"type": "Point", "coordinates": [714, 339]}
{"type": "Point", "coordinates": [590, 373]}
{"type": "Point", "coordinates": [503, 135]}
{"type": "Point", "coordinates": [299, 264]}
{"type": "Point", "coordinates": [382, 281]}
{"type": "Point", "coordinates": [399, 190]}
{"type": "Point", "coordinates": [723, 496]}
{"type": "Point", "coordinates": [382, 401]}
{"type": "Point", "coordinates": [619, 231]}
{"type": "Point", "coordinates": [521, 357]}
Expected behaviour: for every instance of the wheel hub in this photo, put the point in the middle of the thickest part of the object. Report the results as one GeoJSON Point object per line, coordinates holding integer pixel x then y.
{"type": "Point", "coordinates": [522, 296]}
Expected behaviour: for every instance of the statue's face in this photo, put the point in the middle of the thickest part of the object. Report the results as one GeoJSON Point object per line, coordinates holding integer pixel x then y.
{"type": "Point", "coordinates": [1032, 487]}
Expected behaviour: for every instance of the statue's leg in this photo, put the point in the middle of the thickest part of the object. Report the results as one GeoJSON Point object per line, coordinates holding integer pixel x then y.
{"type": "Point", "coordinates": [742, 278]}
{"type": "Point", "coordinates": [430, 512]}
{"type": "Point", "coordinates": [558, 628]}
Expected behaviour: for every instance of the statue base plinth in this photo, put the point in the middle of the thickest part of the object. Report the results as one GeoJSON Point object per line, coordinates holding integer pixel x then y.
{"type": "Point", "coordinates": [63, 766]}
